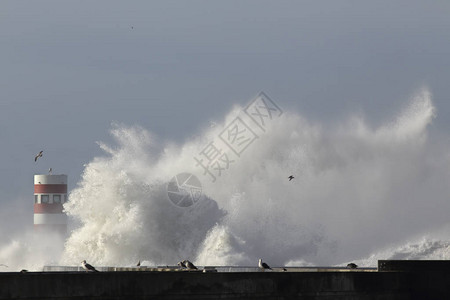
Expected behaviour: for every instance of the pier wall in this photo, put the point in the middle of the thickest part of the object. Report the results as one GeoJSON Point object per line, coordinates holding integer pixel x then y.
{"type": "Point", "coordinates": [239, 285]}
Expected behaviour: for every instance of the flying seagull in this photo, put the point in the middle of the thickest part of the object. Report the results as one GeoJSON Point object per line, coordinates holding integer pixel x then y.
{"type": "Point", "coordinates": [352, 266]}
{"type": "Point", "coordinates": [181, 265]}
{"type": "Point", "coordinates": [38, 155]}
{"type": "Point", "coordinates": [3, 265]}
{"type": "Point", "coordinates": [189, 265]}
{"type": "Point", "coordinates": [263, 266]}
{"type": "Point", "coordinates": [291, 177]}
{"type": "Point", "coordinates": [88, 267]}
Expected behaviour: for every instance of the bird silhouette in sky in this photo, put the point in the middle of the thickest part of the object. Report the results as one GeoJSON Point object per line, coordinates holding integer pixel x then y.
{"type": "Point", "coordinates": [38, 155]}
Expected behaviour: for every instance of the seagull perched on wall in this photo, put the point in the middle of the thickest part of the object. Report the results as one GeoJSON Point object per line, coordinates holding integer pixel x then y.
{"type": "Point", "coordinates": [181, 265]}
{"type": "Point", "coordinates": [88, 267]}
{"type": "Point", "coordinates": [189, 265]}
{"type": "Point", "coordinates": [138, 264]}
{"type": "Point", "coordinates": [352, 266]}
{"type": "Point", "coordinates": [291, 177]}
{"type": "Point", "coordinates": [50, 171]}
{"type": "Point", "coordinates": [38, 155]}
{"type": "Point", "coordinates": [263, 266]}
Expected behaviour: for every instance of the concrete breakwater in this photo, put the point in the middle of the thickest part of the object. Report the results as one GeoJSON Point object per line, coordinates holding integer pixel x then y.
{"type": "Point", "coordinates": [392, 284]}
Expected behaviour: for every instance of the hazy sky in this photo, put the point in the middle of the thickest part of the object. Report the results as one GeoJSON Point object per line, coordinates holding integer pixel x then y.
{"type": "Point", "coordinates": [70, 68]}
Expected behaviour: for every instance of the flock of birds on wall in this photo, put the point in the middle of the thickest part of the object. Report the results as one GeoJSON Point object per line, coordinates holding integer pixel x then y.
{"type": "Point", "coordinates": [188, 265]}
{"type": "Point", "coordinates": [184, 265]}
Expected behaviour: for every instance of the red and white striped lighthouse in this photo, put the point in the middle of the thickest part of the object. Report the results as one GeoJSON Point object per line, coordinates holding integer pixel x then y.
{"type": "Point", "coordinates": [50, 193]}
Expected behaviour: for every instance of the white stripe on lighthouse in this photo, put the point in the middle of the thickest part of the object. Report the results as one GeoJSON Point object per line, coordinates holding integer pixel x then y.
{"type": "Point", "coordinates": [50, 219]}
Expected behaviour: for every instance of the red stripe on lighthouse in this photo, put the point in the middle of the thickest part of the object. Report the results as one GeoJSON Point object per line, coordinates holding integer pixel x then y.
{"type": "Point", "coordinates": [50, 188]}
{"type": "Point", "coordinates": [48, 208]}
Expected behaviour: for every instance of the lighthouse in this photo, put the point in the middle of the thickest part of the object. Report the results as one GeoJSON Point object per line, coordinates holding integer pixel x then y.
{"type": "Point", "coordinates": [50, 193]}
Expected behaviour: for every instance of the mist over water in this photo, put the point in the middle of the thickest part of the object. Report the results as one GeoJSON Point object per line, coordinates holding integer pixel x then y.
{"type": "Point", "coordinates": [360, 193]}
{"type": "Point", "coordinates": [30, 251]}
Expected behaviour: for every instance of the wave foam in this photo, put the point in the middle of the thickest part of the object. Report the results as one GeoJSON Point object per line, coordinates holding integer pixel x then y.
{"type": "Point", "coordinates": [356, 189]}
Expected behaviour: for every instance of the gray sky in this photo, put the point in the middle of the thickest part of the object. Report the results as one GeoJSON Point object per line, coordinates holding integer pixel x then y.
{"type": "Point", "coordinates": [70, 68]}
